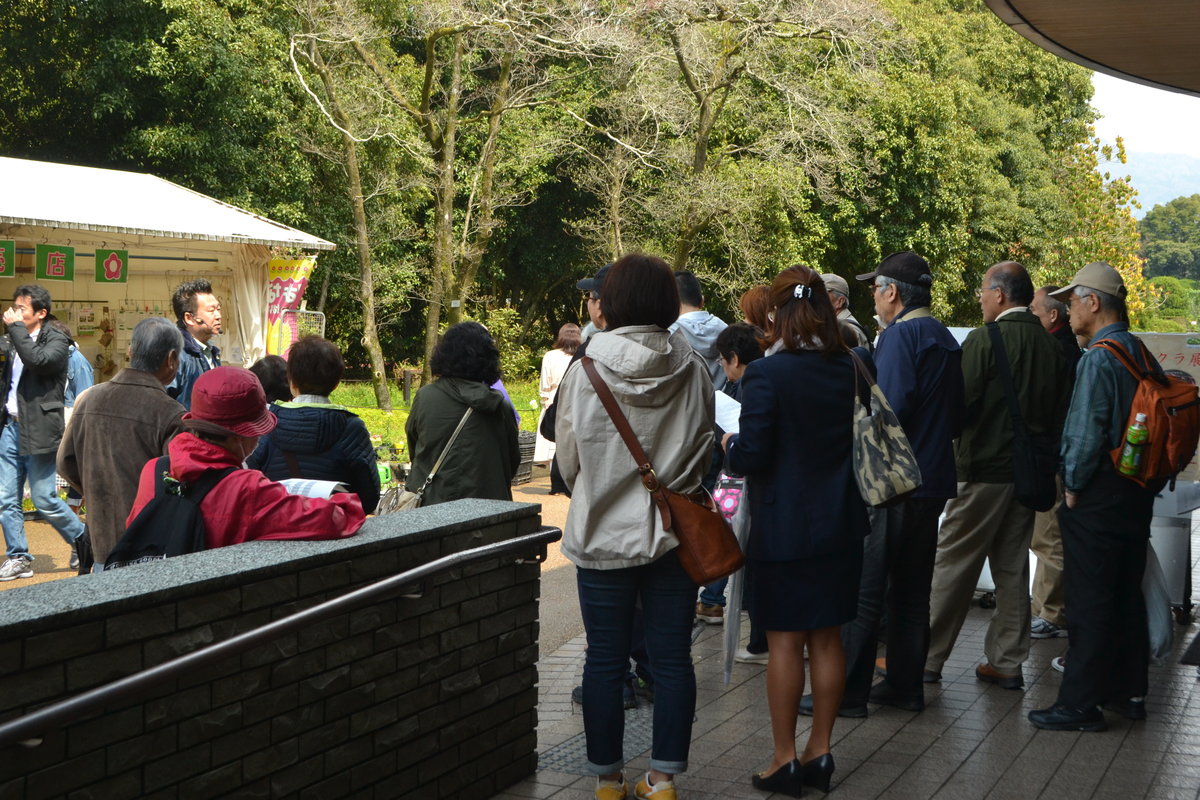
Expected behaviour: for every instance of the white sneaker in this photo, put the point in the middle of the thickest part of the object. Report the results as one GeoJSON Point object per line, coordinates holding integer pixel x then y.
{"type": "Point", "coordinates": [744, 656]}
{"type": "Point", "coordinates": [1045, 629]}
{"type": "Point", "coordinates": [1059, 663]}
{"type": "Point", "coordinates": [16, 567]}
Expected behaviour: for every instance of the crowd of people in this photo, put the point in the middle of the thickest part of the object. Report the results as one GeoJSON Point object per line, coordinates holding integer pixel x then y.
{"type": "Point", "coordinates": [824, 570]}
{"type": "Point", "coordinates": [248, 431]}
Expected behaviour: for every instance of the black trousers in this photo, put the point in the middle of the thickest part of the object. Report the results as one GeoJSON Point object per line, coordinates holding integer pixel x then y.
{"type": "Point", "coordinates": [1104, 555]}
{"type": "Point", "coordinates": [897, 569]}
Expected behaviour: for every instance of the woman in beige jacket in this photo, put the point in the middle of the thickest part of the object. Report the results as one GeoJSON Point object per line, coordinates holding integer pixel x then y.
{"type": "Point", "coordinates": [614, 534]}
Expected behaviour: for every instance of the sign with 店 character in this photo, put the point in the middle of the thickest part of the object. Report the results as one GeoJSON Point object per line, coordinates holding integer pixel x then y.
{"type": "Point", "coordinates": [112, 266]}
{"type": "Point", "coordinates": [54, 262]}
{"type": "Point", "coordinates": [8, 259]}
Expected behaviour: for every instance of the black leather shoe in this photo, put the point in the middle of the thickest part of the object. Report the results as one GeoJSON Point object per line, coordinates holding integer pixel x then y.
{"type": "Point", "coordinates": [1129, 708]}
{"type": "Point", "coordinates": [1062, 718]}
{"type": "Point", "coordinates": [818, 772]}
{"type": "Point", "coordinates": [788, 779]}
{"type": "Point", "coordinates": [850, 710]}
{"type": "Point", "coordinates": [883, 694]}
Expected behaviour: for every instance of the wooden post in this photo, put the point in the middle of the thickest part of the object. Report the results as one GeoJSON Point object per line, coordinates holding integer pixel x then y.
{"type": "Point", "coordinates": [408, 387]}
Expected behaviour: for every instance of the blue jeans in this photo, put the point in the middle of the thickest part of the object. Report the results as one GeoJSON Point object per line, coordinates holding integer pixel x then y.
{"type": "Point", "coordinates": [607, 599]}
{"type": "Point", "coordinates": [40, 470]}
{"type": "Point", "coordinates": [714, 593]}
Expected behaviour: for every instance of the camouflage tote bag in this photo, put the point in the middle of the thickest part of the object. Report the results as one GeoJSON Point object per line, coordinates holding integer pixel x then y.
{"type": "Point", "coordinates": [884, 463]}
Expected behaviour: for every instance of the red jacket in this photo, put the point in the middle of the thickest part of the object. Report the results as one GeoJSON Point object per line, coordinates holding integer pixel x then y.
{"type": "Point", "coordinates": [247, 505]}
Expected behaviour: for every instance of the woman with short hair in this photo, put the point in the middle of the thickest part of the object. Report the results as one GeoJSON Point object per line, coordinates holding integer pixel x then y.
{"type": "Point", "coordinates": [614, 534]}
{"type": "Point", "coordinates": [485, 456]}
{"type": "Point", "coordinates": [807, 518]}
{"type": "Point", "coordinates": [315, 437]}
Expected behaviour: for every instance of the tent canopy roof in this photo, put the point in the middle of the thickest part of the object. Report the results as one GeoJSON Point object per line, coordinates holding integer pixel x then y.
{"type": "Point", "coordinates": [1152, 42]}
{"type": "Point", "coordinates": [45, 194]}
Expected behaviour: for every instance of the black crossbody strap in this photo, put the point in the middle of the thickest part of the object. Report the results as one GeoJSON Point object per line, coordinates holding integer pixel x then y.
{"type": "Point", "coordinates": [1006, 378]}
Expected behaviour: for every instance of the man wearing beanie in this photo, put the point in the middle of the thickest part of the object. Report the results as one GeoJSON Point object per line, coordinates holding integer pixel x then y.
{"type": "Point", "coordinates": [920, 372]}
{"type": "Point", "coordinates": [1105, 519]}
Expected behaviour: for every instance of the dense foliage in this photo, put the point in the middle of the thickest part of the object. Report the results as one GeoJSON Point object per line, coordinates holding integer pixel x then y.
{"type": "Point", "coordinates": [475, 159]}
{"type": "Point", "coordinates": [1171, 238]}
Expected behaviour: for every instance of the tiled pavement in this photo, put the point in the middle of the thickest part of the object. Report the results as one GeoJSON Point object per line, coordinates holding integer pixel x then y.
{"type": "Point", "coordinates": [971, 742]}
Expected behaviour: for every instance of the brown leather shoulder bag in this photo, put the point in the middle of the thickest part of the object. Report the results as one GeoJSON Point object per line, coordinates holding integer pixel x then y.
{"type": "Point", "coordinates": [708, 549]}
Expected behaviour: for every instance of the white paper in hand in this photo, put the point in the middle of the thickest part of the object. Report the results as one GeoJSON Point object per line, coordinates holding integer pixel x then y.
{"type": "Point", "coordinates": [728, 412]}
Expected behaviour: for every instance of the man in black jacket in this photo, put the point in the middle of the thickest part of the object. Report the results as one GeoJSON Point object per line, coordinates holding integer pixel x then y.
{"type": "Point", "coordinates": [198, 315]}
{"type": "Point", "coordinates": [1048, 603]}
{"type": "Point", "coordinates": [34, 376]}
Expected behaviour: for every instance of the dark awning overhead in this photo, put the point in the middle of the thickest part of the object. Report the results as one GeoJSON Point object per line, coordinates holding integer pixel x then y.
{"type": "Point", "coordinates": [1154, 42]}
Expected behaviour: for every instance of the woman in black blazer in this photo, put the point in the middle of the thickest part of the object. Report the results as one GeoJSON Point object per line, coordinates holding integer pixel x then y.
{"type": "Point", "coordinates": [807, 519]}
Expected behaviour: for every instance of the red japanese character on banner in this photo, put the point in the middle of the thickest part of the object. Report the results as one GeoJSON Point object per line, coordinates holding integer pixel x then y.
{"type": "Point", "coordinates": [1196, 359]}
{"type": "Point", "coordinates": [56, 264]}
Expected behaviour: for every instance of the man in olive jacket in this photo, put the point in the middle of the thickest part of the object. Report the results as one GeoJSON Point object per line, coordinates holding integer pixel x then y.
{"type": "Point", "coordinates": [985, 520]}
{"type": "Point", "coordinates": [33, 378]}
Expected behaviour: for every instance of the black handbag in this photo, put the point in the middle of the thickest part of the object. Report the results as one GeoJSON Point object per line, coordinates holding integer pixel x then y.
{"type": "Point", "coordinates": [1034, 456]}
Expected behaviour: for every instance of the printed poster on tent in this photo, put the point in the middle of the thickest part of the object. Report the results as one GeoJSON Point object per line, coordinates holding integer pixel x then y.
{"type": "Point", "coordinates": [287, 279]}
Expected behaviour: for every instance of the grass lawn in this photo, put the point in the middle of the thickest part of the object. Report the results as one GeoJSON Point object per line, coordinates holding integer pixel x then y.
{"type": "Point", "coordinates": [389, 426]}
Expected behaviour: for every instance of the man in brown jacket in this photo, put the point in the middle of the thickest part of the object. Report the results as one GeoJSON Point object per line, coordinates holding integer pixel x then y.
{"type": "Point", "coordinates": [118, 426]}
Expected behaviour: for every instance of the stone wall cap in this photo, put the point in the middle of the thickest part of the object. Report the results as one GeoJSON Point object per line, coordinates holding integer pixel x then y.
{"type": "Point", "coordinates": [29, 609]}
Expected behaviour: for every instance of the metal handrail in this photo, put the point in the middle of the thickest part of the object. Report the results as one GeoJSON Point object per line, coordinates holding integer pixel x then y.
{"type": "Point", "coordinates": [27, 730]}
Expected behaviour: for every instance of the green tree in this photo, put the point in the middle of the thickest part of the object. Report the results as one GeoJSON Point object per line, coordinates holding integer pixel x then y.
{"type": "Point", "coordinates": [1171, 238]}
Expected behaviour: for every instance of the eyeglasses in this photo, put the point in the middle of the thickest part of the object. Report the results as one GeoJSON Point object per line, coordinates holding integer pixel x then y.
{"type": "Point", "coordinates": [979, 292]}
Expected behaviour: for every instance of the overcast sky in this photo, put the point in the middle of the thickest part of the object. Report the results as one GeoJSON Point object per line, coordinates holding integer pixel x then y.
{"type": "Point", "coordinates": [1150, 120]}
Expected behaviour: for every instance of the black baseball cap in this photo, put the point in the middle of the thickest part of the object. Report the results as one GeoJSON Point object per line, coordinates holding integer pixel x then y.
{"type": "Point", "coordinates": [905, 266]}
{"type": "Point", "coordinates": [594, 283]}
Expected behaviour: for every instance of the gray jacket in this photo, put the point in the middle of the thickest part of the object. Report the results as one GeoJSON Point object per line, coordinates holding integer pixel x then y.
{"type": "Point", "coordinates": [661, 385]}
{"type": "Point", "coordinates": [702, 329]}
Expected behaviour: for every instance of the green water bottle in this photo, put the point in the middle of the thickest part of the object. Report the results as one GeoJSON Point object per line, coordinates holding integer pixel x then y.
{"type": "Point", "coordinates": [1135, 444]}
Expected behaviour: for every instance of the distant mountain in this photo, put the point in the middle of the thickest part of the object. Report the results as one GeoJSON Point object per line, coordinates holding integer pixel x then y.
{"type": "Point", "coordinates": [1159, 177]}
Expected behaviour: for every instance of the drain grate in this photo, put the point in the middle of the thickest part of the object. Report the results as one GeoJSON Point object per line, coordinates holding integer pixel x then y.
{"type": "Point", "coordinates": [571, 755]}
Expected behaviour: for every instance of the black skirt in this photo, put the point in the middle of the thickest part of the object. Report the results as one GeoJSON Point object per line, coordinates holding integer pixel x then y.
{"type": "Point", "coordinates": [808, 594]}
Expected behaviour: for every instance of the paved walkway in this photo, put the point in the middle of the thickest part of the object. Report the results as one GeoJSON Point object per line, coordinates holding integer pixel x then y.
{"type": "Point", "coordinates": [972, 741]}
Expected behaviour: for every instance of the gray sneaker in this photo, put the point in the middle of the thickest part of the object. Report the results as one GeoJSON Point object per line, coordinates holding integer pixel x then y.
{"type": "Point", "coordinates": [16, 567]}
{"type": "Point", "coordinates": [1045, 629]}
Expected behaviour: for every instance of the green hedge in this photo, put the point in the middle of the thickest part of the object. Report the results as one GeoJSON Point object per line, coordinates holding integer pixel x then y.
{"type": "Point", "coordinates": [387, 427]}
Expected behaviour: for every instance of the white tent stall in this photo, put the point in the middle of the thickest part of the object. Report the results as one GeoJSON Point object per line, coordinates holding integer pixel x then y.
{"type": "Point", "coordinates": [110, 247]}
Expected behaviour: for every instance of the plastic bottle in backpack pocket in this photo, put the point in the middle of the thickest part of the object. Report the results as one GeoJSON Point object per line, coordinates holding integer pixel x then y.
{"type": "Point", "coordinates": [1136, 437]}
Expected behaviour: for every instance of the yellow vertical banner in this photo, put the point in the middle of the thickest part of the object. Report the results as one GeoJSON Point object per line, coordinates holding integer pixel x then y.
{"type": "Point", "coordinates": [286, 280]}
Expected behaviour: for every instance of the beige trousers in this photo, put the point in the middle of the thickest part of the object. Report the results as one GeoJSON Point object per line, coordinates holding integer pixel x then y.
{"type": "Point", "coordinates": [983, 522]}
{"type": "Point", "coordinates": [1048, 596]}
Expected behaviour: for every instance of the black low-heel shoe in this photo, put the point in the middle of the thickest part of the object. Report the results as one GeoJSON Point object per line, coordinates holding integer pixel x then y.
{"type": "Point", "coordinates": [818, 772]}
{"type": "Point", "coordinates": [788, 779]}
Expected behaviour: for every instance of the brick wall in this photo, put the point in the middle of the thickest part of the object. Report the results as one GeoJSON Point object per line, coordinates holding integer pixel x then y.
{"type": "Point", "coordinates": [432, 697]}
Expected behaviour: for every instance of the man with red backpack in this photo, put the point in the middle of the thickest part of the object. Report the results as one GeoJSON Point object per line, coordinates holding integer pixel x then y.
{"type": "Point", "coordinates": [1105, 517]}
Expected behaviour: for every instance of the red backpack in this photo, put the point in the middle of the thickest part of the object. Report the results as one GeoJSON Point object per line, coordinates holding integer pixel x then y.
{"type": "Point", "coordinates": [1172, 409]}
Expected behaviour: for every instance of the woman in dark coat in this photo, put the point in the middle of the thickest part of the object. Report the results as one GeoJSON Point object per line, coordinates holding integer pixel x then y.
{"type": "Point", "coordinates": [807, 519]}
{"type": "Point", "coordinates": [484, 458]}
{"type": "Point", "coordinates": [315, 438]}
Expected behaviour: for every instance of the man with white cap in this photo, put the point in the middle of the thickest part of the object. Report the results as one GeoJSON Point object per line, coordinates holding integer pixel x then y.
{"type": "Point", "coordinates": [839, 295]}
{"type": "Point", "coordinates": [1105, 520]}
